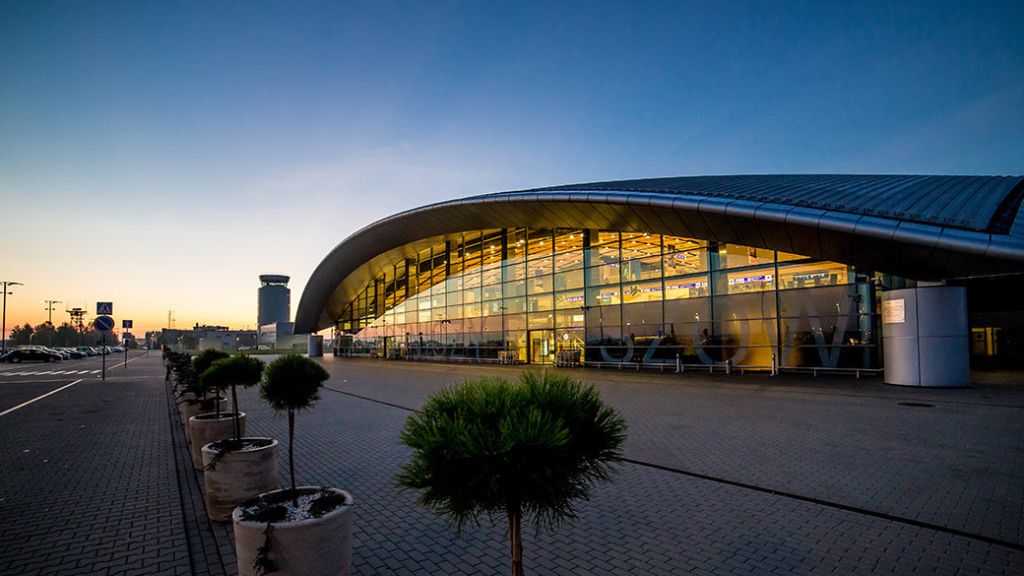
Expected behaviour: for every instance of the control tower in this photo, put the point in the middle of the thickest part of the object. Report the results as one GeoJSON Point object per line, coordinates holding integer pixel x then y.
{"type": "Point", "coordinates": [275, 300]}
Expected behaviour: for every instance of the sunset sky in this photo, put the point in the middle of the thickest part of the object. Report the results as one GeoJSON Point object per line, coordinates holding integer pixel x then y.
{"type": "Point", "coordinates": [164, 155]}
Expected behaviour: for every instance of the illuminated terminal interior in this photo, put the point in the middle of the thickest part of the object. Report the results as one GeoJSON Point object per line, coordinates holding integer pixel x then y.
{"type": "Point", "coordinates": [543, 296]}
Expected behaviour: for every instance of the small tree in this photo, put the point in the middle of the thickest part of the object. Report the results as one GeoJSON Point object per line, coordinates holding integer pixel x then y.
{"type": "Point", "coordinates": [201, 363]}
{"type": "Point", "coordinates": [242, 370]}
{"type": "Point", "coordinates": [497, 448]}
{"type": "Point", "coordinates": [292, 383]}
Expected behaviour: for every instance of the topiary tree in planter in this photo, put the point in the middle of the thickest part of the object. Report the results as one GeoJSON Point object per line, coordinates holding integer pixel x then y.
{"type": "Point", "coordinates": [526, 449]}
{"type": "Point", "coordinates": [202, 362]}
{"type": "Point", "coordinates": [292, 383]}
{"type": "Point", "coordinates": [298, 530]}
{"type": "Point", "coordinates": [234, 371]}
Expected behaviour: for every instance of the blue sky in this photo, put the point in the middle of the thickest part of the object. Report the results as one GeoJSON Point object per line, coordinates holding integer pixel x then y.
{"type": "Point", "coordinates": [239, 138]}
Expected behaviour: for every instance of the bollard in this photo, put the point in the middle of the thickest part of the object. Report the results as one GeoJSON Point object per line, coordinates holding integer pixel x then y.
{"type": "Point", "coordinates": [728, 366]}
{"type": "Point", "coordinates": [775, 369]}
{"type": "Point", "coordinates": [677, 363]}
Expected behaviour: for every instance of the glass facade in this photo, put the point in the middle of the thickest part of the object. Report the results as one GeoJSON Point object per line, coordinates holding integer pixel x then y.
{"type": "Point", "coordinates": [542, 296]}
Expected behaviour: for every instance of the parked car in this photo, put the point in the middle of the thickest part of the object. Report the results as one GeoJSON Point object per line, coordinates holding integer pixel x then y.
{"type": "Point", "coordinates": [63, 355]}
{"type": "Point", "coordinates": [31, 354]}
{"type": "Point", "coordinates": [87, 350]}
{"type": "Point", "coordinates": [74, 353]}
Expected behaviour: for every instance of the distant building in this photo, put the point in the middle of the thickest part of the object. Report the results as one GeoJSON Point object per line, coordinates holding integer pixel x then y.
{"type": "Point", "coordinates": [275, 330]}
{"type": "Point", "coordinates": [274, 300]}
{"type": "Point", "coordinates": [203, 338]}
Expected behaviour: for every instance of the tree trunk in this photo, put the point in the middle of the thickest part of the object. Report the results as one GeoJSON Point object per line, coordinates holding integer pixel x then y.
{"type": "Point", "coordinates": [515, 520]}
{"type": "Point", "coordinates": [234, 408]}
{"type": "Point", "coordinates": [291, 454]}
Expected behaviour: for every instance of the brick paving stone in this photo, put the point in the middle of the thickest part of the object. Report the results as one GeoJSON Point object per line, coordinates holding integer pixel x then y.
{"type": "Point", "coordinates": [87, 481]}
{"type": "Point", "coordinates": [840, 433]}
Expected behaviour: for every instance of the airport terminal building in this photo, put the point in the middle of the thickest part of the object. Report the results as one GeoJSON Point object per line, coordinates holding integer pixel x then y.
{"type": "Point", "coordinates": [829, 271]}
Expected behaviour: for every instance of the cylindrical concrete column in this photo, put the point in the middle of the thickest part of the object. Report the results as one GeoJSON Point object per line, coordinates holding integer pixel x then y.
{"type": "Point", "coordinates": [316, 346]}
{"type": "Point", "coordinates": [925, 336]}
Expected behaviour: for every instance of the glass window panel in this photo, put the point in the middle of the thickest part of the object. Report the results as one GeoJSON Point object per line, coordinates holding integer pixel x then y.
{"type": "Point", "coordinates": [685, 262]}
{"type": "Point", "coordinates": [604, 237]}
{"type": "Point", "coordinates": [493, 308]}
{"type": "Point", "coordinates": [515, 289]}
{"type": "Point", "coordinates": [569, 299]}
{"type": "Point", "coordinates": [569, 319]}
{"type": "Point", "coordinates": [540, 320]}
{"type": "Point", "coordinates": [642, 269]}
{"type": "Point", "coordinates": [607, 254]}
{"type": "Point", "coordinates": [471, 295]}
{"type": "Point", "coordinates": [514, 270]}
{"type": "Point", "coordinates": [454, 298]}
{"type": "Point", "coordinates": [686, 287]}
{"type": "Point", "coordinates": [640, 245]}
{"type": "Point", "coordinates": [454, 311]}
{"type": "Point", "coordinates": [517, 243]}
{"type": "Point", "coordinates": [642, 292]}
{"type": "Point", "coordinates": [471, 310]}
{"type": "Point", "coordinates": [603, 296]}
{"type": "Point", "coordinates": [453, 284]}
{"type": "Point", "coordinates": [515, 322]}
{"type": "Point", "coordinates": [569, 261]}
{"type": "Point", "coordinates": [786, 256]}
{"type": "Point", "coordinates": [813, 274]}
{"type": "Point", "coordinates": [569, 280]}
{"type": "Point", "coordinates": [437, 300]}
{"type": "Point", "coordinates": [515, 305]}
{"type": "Point", "coordinates": [750, 280]}
{"type": "Point", "coordinates": [493, 323]}
{"type": "Point", "coordinates": [736, 256]}
{"type": "Point", "coordinates": [539, 284]}
{"type": "Point", "coordinates": [424, 315]}
{"type": "Point", "coordinates": [538, 242]}
{"type": "Point", "coordinates": [491, 276]}
{"type": "Point", "coordinates": [541, 266]}
{"type": "Point", "coordinates": [540, 303]}
{"type": "Point", "coordinates": [492, 292]}
{"type": "Point", "coordinates": [471, 279]}
{"type": "Point", "coordinates": [568, 240]}
{"type": "Point", "coordinates": [607, 274]}
{"type": "Point", "coordinates": [744, 306]}
{"type": "Point", "coordinates": [642, 318]}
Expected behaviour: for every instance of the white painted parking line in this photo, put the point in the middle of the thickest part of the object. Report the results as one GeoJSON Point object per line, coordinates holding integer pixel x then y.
{"type": "Point", "coordinates": [23, 404]}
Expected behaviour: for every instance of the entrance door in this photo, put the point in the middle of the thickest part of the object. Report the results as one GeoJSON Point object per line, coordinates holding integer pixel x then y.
{"type": "Point", "coordinates": [542, 346]}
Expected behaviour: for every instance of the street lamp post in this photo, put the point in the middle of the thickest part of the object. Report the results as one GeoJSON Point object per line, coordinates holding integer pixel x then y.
{"type": "Point", "coordinates": [3, 323]}
{"type": "Point", "coordinates": [49, 318]}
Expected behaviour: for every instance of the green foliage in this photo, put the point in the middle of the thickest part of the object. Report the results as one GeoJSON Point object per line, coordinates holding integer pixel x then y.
{"type": "Point", "coordinates": [499, 448]}
{"type": "Point", "coordinates": [292, 382]}
{"type": "Point", "coordinates": [184, 375]}
{"type": "Point", "coordinates": [202, 362]}
{"type": "Point", "coordinates": [241, 370]}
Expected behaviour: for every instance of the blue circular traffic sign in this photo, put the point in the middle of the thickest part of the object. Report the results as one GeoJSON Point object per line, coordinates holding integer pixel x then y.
{"type": "Point", "coordinates": [104, 323]}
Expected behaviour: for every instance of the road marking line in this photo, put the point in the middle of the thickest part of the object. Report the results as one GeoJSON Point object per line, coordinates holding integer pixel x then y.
{"type": "Point", "coordinates": [23, 404]}
{"type": "Point", "coordinates": [95, 372]}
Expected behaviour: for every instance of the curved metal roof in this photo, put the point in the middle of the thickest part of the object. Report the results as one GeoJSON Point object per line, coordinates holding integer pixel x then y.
{"type": "Point", "coordinates": [925, 227]}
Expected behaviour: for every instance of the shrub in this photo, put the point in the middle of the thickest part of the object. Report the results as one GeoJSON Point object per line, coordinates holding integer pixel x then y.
{"type": "Point", "coordinates": [497, 448]}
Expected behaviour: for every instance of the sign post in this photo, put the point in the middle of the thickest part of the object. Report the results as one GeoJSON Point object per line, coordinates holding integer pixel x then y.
{"type": "Point", "coordinates": [125, 325]}
{"type": "Point", "coordinates": [104, 324]}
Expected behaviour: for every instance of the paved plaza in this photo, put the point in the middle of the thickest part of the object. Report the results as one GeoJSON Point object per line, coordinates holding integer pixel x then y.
{"type": "Point", "coordinates": [724, 475]}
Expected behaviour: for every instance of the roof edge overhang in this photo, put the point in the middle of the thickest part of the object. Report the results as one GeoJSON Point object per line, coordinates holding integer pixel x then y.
{"type": "Point", "coordinates": [912, 250]}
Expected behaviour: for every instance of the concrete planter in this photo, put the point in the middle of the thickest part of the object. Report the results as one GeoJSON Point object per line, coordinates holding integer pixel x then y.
{"type": "Point", "coordinates": [238, 476]}
{"type": "Point", "coordinates": [206, 428]}
{"type": "Point", "coordinates": [311, 547]}
{"type": "Point", "coordinates": [193, 407]}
